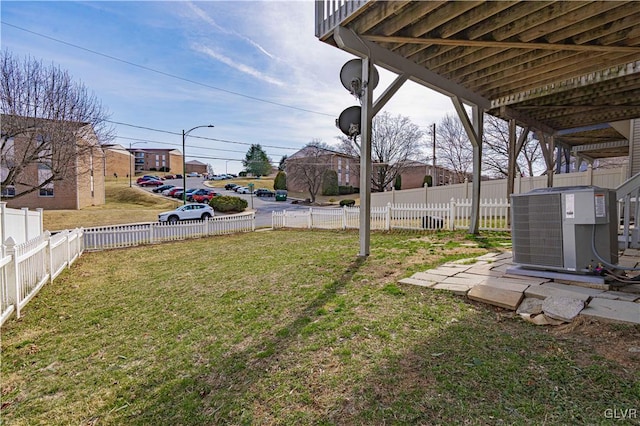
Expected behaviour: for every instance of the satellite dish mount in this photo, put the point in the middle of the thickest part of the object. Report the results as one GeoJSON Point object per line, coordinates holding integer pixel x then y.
{"type": "Point", "coordinates": [352, 79]}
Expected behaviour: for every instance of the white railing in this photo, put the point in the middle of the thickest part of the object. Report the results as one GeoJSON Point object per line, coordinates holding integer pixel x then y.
{"type": "Point", "coordinates": [26, 267]}
{"type": "Point", "coordinates": [120, 236]}
{"type": "Point", "coordinates": [330, 13]}
{"type": "Point", "coordinates": [453, 215]}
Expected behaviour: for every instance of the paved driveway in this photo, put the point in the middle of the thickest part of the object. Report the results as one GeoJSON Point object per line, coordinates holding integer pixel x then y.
{"type": "Point", "coordinates": [263, 206]}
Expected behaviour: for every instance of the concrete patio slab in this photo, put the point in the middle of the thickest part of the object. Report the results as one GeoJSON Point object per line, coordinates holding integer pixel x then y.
{"type": "Point", "coordinates": [616, 310]}
{"type": "Point", "coordinates": [631, 288]}
{"type": "Point", "coordinates": [496, 296]}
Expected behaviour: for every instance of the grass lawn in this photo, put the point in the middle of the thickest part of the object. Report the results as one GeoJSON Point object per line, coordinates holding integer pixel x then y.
{"type": "Point", "coordinates": [289, 327]}
{"type": "Point", "coordinates": [123, 205]}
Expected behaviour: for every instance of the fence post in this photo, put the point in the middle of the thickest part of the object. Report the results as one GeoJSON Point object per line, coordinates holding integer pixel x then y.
{"type": "Point", "coordinates": [13, 277]}
{"type": "Point", "coordinates": [310, 218]}
{"type": "Point", "coordinates": [49, 255]}
{"type": "Point", "coordinates": [387, 219]}
{"type": "Point", "coordinates": [151, 225]}
{"type": "Point", "coordinates": [344, 217]}
{"type": "Point", "coordinates": [452, 214]}
{"type": "Point", "coordinates": [253, 221]}
{"type": "Point", "coordinates": [40, 211]}
{"type": "Point", "coordinates": [68, 245]}
{"type": "Point", "coordinates": [589, 174]}
{"type": "Point", "coordinates": [25, 210]}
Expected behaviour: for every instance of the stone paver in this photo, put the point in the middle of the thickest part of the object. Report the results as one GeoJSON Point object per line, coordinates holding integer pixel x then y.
{"type": "Point", "coordinates": [530, 305]}
{"type": "Point", "coordinates": [459, 289]}
{"type": "Point", "coordinates": [619, 295]}
{"type": "Point", "coordinates": [496, 296]}
{"type": "Point", "coordinates": [576, 289]}
{"type": "Point", "coordinates": [562, 308]}
{"type": "Point", "coordinates": [429, 276]}
{"type": "Point", "coordinates": [487, 281]}
{"type": "Point", "coordinates": [507, 284]}
{"type": "Point", "coordinates": [543, 291]}
{"type": "Point", "coordinates": [413, 281]}
{"type": "Point", "coordinates": [617, 310]}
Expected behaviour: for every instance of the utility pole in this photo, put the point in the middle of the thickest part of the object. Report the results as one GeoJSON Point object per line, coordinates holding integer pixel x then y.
{"type": "Point", "coordinates": [435, 170]}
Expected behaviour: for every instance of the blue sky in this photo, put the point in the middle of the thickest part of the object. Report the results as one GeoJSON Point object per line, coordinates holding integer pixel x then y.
{"type": "Point", "coordinates": [185, 64]}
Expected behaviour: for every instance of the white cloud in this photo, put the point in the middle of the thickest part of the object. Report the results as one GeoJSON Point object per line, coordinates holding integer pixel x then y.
{"type": "Point", "coordinates": [237, 65]}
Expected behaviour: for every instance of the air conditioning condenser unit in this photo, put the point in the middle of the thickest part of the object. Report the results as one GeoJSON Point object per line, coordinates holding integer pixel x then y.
{"type": "Point", "coordinates": [563, 228]}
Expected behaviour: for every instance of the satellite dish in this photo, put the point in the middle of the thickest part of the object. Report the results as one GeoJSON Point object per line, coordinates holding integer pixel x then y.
{"type": "Point", "coordinates": [349, 121]}
{"type": "Point", "coordinates": [351, 77]}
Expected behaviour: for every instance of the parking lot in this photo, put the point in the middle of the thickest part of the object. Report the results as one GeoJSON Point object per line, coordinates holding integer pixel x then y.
{"type": "Point", "coordinates": [263, 206]}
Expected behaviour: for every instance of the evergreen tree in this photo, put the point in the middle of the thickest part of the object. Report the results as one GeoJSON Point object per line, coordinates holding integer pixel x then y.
{"type": "Point", "coordinates": [257, 162]}
{"type": "Point", "coordinates": [280, 182]}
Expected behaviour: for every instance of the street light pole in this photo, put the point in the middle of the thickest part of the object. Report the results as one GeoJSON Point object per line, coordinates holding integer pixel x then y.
{"type": "Point", "coordinates": [184, 161]}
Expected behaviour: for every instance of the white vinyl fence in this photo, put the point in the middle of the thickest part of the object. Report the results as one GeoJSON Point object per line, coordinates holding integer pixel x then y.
{"type": "Point", "coordinates": [120, 236]}
{"type": "Point", "coordinates": [20, 224]}
{"type": "Point", "coordinates": [26, 267]}
{"type": "Point", "coordinates": [452, 215]}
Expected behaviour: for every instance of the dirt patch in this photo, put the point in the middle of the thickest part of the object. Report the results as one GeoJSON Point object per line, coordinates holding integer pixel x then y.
{"type": "Point", "coordinates": [619, 343]}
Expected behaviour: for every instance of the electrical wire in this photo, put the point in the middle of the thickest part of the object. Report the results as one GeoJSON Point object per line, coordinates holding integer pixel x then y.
{"type": "Point", "coordinates": [166, 74]}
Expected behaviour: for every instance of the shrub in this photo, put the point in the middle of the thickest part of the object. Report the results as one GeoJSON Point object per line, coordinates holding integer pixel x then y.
{"type": "Point", "coordinates": [242, 174]}
{"type": "Point", "coordinates": [347, 202]}
{"type": "Point", "coordinates": [345, 190]}
{"type": "Point", "coordinates": [428, 179]}
{"type": "Point", "coordinates": [397, 185]}
{"type": "Point", "coordinates": [280, 181]}
{"type": "Point", "coordinates": [226, 203]}
{"type": "Point", "coordinates": [330, 182]}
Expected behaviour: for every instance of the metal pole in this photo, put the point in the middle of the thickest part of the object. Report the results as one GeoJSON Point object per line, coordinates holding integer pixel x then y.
{"type": "Point", "coordinates": [435, 170]}
{"type": "Point", "coordinates": [130, 168]}
{"type": "Point", "coordinates": [184, 162]}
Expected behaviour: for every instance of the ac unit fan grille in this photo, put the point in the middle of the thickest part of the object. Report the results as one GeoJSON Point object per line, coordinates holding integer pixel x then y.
{"type": "Point", "coordinates": [537, 230]}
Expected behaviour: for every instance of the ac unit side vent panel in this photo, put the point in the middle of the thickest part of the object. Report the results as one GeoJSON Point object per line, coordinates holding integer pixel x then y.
{"type": "Point", "coordinates": [537, 230]}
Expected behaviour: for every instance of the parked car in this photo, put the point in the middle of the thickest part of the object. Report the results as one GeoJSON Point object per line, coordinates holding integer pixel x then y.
{"type": "Point", "coordinates": [151, 182]}
{"type": "Point", "coordinates": [169, 176]}
{"type": "Point", "coordinates": [230, 186]}
{"type": "Point", "coordinates": [203, 195]}
{"type": "Point", "coordinates": [178, 194]}
{"type": "Point", "coordinates": [193, 174]}
{"type": "Point", "coordinates": [147, 177]}
{"type": "Point", "coordinates": [242, 190]}
{"type": "Point", "coordinates": [281, 195]}
{"type": "Point", "coordinates": [172, 191]}
{"type": "Point", "coordinates": [193, 211]}
{"type": "Point", "coordinates": [178, 176]}
{"type": "Point", "coordinates": [263, 192]}
{"type": "Point", "coordinates": [159, 189]}
{"type": "Point", "coordinates": [217, 177]}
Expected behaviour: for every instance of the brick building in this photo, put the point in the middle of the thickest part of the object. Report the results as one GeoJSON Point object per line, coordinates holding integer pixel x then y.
{"type": "Point", "coordinates": [118, 160]}
{"type": "Point", "coordinates": [346, 167]}
{"type": "Point", "coordinates": [156, 159]}
{"type": "Point", "coordinates": [196, 166]}
{"type": "Point", "coordinates": [80, 186]}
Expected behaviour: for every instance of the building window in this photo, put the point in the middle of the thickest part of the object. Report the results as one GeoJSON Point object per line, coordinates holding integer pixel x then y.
{"type": "Point", "coordinates": [346, 178]}
{"type": "Point", "coordinates": [339, 171]}
{"type": "Point", "coordinates": [45, 174]}
{"type": "Point", "coordinates": [8, 191]}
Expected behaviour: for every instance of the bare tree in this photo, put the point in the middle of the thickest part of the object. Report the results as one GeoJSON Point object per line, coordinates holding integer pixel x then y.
{"type": "Point", "coordinates": [454, 149]}
{"type": "Point", "coordinates": [307, 167]}
{"type": "Point", "coordinates": [395, 141]}
{"type": "Point", "coordinates": [496, 150]}
{"type": "Point", "coordinates": [44, 115]}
